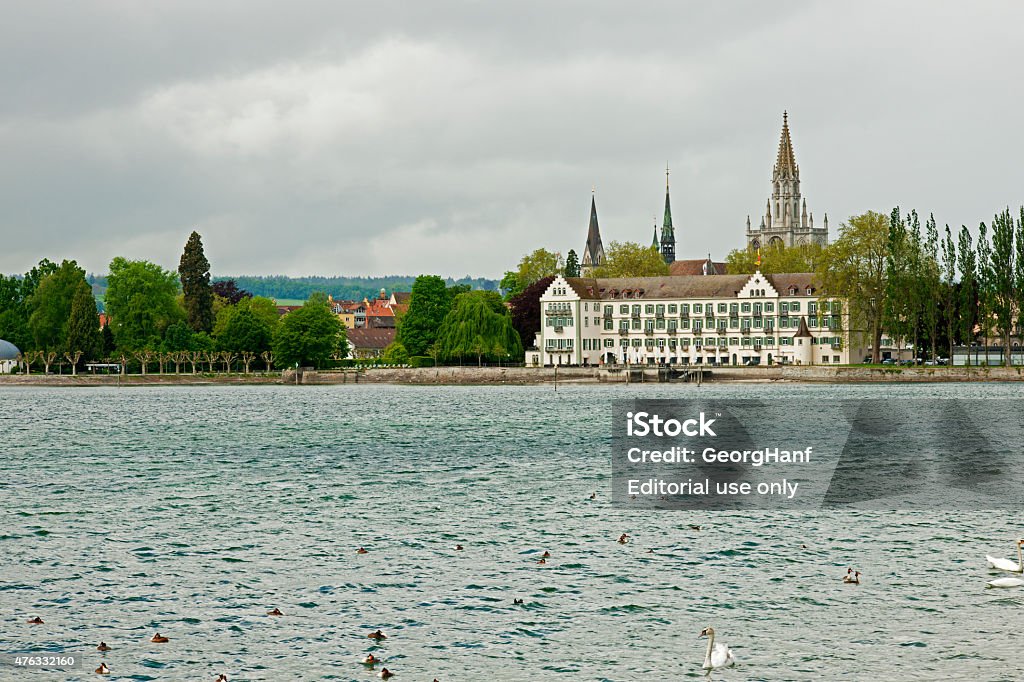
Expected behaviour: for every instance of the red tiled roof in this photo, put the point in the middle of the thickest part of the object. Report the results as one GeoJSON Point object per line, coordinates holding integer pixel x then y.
{"type": "Point", "coordinates": [371, 337]}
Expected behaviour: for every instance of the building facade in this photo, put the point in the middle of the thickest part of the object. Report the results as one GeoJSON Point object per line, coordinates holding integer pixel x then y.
{"type": "Point", "coordinates": [786, 220]}
{"type": "Point", "coordinates": [692, 320]}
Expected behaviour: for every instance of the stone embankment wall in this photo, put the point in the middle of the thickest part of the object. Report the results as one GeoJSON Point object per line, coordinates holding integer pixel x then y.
{"type": "Point", "coordinates": [449, 375]}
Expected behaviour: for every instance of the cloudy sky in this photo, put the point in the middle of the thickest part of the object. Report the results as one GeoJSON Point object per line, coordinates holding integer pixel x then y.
{"type": "Point", "coordinates": [451, 137]}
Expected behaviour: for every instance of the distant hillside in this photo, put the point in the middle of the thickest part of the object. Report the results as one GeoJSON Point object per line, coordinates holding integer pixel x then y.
{"type": "Point", "coordinates": [299, 288]}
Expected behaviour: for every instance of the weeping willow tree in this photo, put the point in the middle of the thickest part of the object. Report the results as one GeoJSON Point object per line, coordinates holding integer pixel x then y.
{"type": "Point", "coordinates": [478, 326]}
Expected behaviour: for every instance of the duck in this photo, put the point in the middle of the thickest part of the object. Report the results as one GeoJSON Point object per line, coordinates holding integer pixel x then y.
{"type": "Point", "coordinates": [458, 548]}
{"type": "Point", "coordinates": [546, 554]}
{"type": "Point", "coordinates": [362, 550]}
{"type": "Point", "coordinates": [852, 579]}
{"type": "Point", "coordinates": [275, 612]}
{"type": "Point", "coordinates": [517, 602]}
{"type": "Point", "coordinates": [593, 496]}
{"type": "Point", "coordinates": [35, 621]}
{"type": "Point", "coordinates": [221, 678]}
{"type": "Point", "coordinates": [717, 655]}
{"type": "Point", "coordinates": [159, 639]}
{"type": "Point", "coordinates": [103, 669]}
{"type": "Point", "coordinates": [693, 526]}
{"type": "Point", "coordinates": [385, 674]}
{"type": "Point", "coordinates": [377, 635]}
{"type": "Point", "coordinates": [371, 660]}
{"type": "Point", "coordinates": [623, 539]}
{"type": "Point", "coordinates": [542, 561]}
{"type": "Point", "coordinates": [103, 647]}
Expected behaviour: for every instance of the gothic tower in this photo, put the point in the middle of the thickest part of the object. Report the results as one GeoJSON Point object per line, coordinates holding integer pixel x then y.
{"type": "Point", "coordinates": [668, 234]}
{"type": "Point", "coordinates": [786, 220]}
{"type": "Point", "coordinates": [593, 252]}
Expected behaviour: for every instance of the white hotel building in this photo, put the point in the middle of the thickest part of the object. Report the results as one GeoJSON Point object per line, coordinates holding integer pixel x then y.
{"type": "Point", "coordinates": [691, 320]}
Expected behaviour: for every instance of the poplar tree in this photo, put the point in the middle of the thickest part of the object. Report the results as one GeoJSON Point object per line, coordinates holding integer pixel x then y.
{"type": "Point", "coordinates": [194, 272]}
{"type": "Point", "coordinates": [83, 325]}
{"type": "Point", "coordinates": [1002, 272]}
{"type": "Point", "coordinates": [967, 301]}
{"type": "Point", "coordinates": [931, 282]}
{"type": "Point", "coordinates": [949, 264]}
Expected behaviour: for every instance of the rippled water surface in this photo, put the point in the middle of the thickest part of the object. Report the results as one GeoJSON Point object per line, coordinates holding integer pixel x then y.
{"type": "Point", "coordinates": [194, 510]}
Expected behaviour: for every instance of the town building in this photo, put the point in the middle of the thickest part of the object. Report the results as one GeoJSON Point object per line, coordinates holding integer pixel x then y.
{"type": "Point", "coordinates": [692, 320]}
{"type": "Point", "coordinates": [786, 220]}
{"type": "Point", "coordinates": [369, 342]}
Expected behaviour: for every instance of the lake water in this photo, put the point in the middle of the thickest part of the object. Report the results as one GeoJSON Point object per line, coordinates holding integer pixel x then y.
{"type": "Point", "coordinates": [194, 510]}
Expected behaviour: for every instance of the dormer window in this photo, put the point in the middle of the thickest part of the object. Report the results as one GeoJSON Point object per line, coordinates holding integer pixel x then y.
{"type": "Point", "coordinates": [792, 291]}
{"type": "Point", "coordinates": [810, 291]}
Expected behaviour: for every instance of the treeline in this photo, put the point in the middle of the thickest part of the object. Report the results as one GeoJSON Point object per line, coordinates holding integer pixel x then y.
{"type": "Point", "coordinates": [301, 288]}
{"type": "Point", "coordinates": [161, 318]}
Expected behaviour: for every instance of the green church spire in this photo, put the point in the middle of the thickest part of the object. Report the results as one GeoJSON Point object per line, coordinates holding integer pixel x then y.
{"type": "Point", "coordinates": [668, 233]}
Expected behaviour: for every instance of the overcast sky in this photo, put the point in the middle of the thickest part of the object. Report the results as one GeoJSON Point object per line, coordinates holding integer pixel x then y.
{"type": "Point", "coordinates": [345, 138]}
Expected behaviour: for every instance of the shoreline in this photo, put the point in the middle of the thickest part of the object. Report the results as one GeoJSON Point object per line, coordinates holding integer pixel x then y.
{"type": "Point", "coordinates": [527, 376]}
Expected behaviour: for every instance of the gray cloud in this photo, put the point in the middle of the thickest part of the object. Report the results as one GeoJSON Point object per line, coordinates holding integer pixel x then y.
{"type": "Point", "coordinates": [451, 137]}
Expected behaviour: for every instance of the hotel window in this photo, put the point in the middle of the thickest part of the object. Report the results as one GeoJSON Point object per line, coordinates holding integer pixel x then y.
{"type": "Point", "coordinates": [609, 343]}
{"type": "Point", "coordinates": [649, 325]}
{"type": "Point", "coordinates": [835, 359]}
{"type": "Point", "coordinates": [721, 324]}
{"type": "Point", "coordinates": [635, 324]}
{"type": "Point", "coordinates": [769, 307]}
{"type": "Point", "coordinates": [649, 343]}
{"type": "Point", "coordinates": [597, 321]}
{"type": "Point", "coordinates": [734, 341]}
{"type": "Point", "coordinates": [624, 343]}
{"type": "Point", "coordinates": [673, 309]}
{"type": "Point", "coordinates": [636, 343]}
{"type": "Point", "coordinates": [794, 307]}
{"type": "Point", "coordinates": [769, 340]}
{"type": "Point", "coordinates": [698, 324]}
{"type": "Point", "coordinates": [659, 309]}
{"type": "Point", "coordinates": [734, 308]}
{"type": "Point", "coordinates": [660, 324]}
{"type": "Point", "coordinates": [661, 343]}
{"type": "Point", "coordinates": [746, 341]}
{"type": "Point", "coordinates": [745, 323]}
{"type": "Point", "coordinates": [648, 309]}
{"type": "Point", "coordinates": [745, 308]}
{"type": "Point", "coordinates": [758, 308]}
{"type": "Point", "coordinates": [684, 309]}
{"type": "Point", "coordinates": [698, 308]}
{"type": "Point", "coordinates": [608, 323]}
{"type": "Point", "coordinates": [672, 344]}
{"type": "Point", "coordinates": [673, 325]}
{"type": "Point", "coordinates": [635, 311]}
{"type": "Point", "coordinates": [624, 325]}
{"type": "Point", "coordinates": [722, 307]}
{"type": "Point", "coordinates": [586, 321]}
{"type": "Point", "coordinates": [784, 307]}
{"type": "Point", "coordinates": [758, 323]}
{"type": "Point", "coordinates": [812, 308]}
{"type": "Point", "coordinates": [685, 324]}
{"type": "Point", "coordinates": [585, 308]}
{"type": "Point", "coordinates": [624, 309]}
{"type": "Point", "coordinates": [734, 323]}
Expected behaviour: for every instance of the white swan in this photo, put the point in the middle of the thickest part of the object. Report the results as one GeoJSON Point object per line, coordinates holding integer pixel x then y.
{"type": "Point", "coordinates": [1006, 564]}
{"type": "Point", "coordinates": [718, 655]}
{"type": "Point", "coordinates": [1007, 582]}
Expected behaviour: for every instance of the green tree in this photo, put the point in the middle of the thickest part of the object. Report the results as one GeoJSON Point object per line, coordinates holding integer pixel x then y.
{"type": "Point", "coordinates": [429, 302]}
{"type": "Point", "coordinates": [853, 268]}
{"type": "Point", "coordinates": [178, 337]}
{"type": "Point", "coordinates": [537, 265]}
{"type": "Point", "coordinates": [572, 264]}
{"type": "Point", "coordinates": [1003, 274]}
{"type": "Point", "coordinates": [194, 271]}
{"type": "Point", "coordinates": [246, 331]}
{"type": "Point", "coordinates": [309, 335]}
{"type": "Point", "coordinates": [83, 328]}
{"type": "Point", "coordinates": [50, 306]}
{"type": "Point", "coordinates": [510, 285]}
{"type": "Point", "coordinates": [629, 259]}
{"type": "Point", "coordinates": [931, 289]}
{"type": "Point", "coordinates": [949, 265]}
{"type": "Point", "coordinates": [774, 258]}
{"type": "Point", "coordinates": [474, 329]}
{"type": "Point", "coordinates": [967, 301]}
{"type": "Point", "coordinates": [396, 353]}
{"type": "Point", "coordinates": [140, 300]}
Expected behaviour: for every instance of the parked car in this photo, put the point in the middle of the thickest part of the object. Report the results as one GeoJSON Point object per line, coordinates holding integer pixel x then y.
{"type": "Point", "coordinates": [888, 361]}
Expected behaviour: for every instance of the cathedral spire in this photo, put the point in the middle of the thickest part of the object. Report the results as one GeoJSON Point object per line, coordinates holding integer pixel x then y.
{"type": "Point", "coordinates": [785, 164]}
{"type": "Point", "coordinates": [668, 233]}
{"type": "Point", "coordinates": [654, 242]}
{"type": "Point", "coordinates": [593, 252]}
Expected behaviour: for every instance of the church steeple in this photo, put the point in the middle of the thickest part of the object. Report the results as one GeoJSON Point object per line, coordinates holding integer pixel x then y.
{"type": "Point", "coordinates": [654, 242]}
{"type": "Point", "coordinates": [786, 219]}
{"type": "Point", "coordinates": [593, 252]}
{"type": "Point", "coordinates": [668, 233]}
